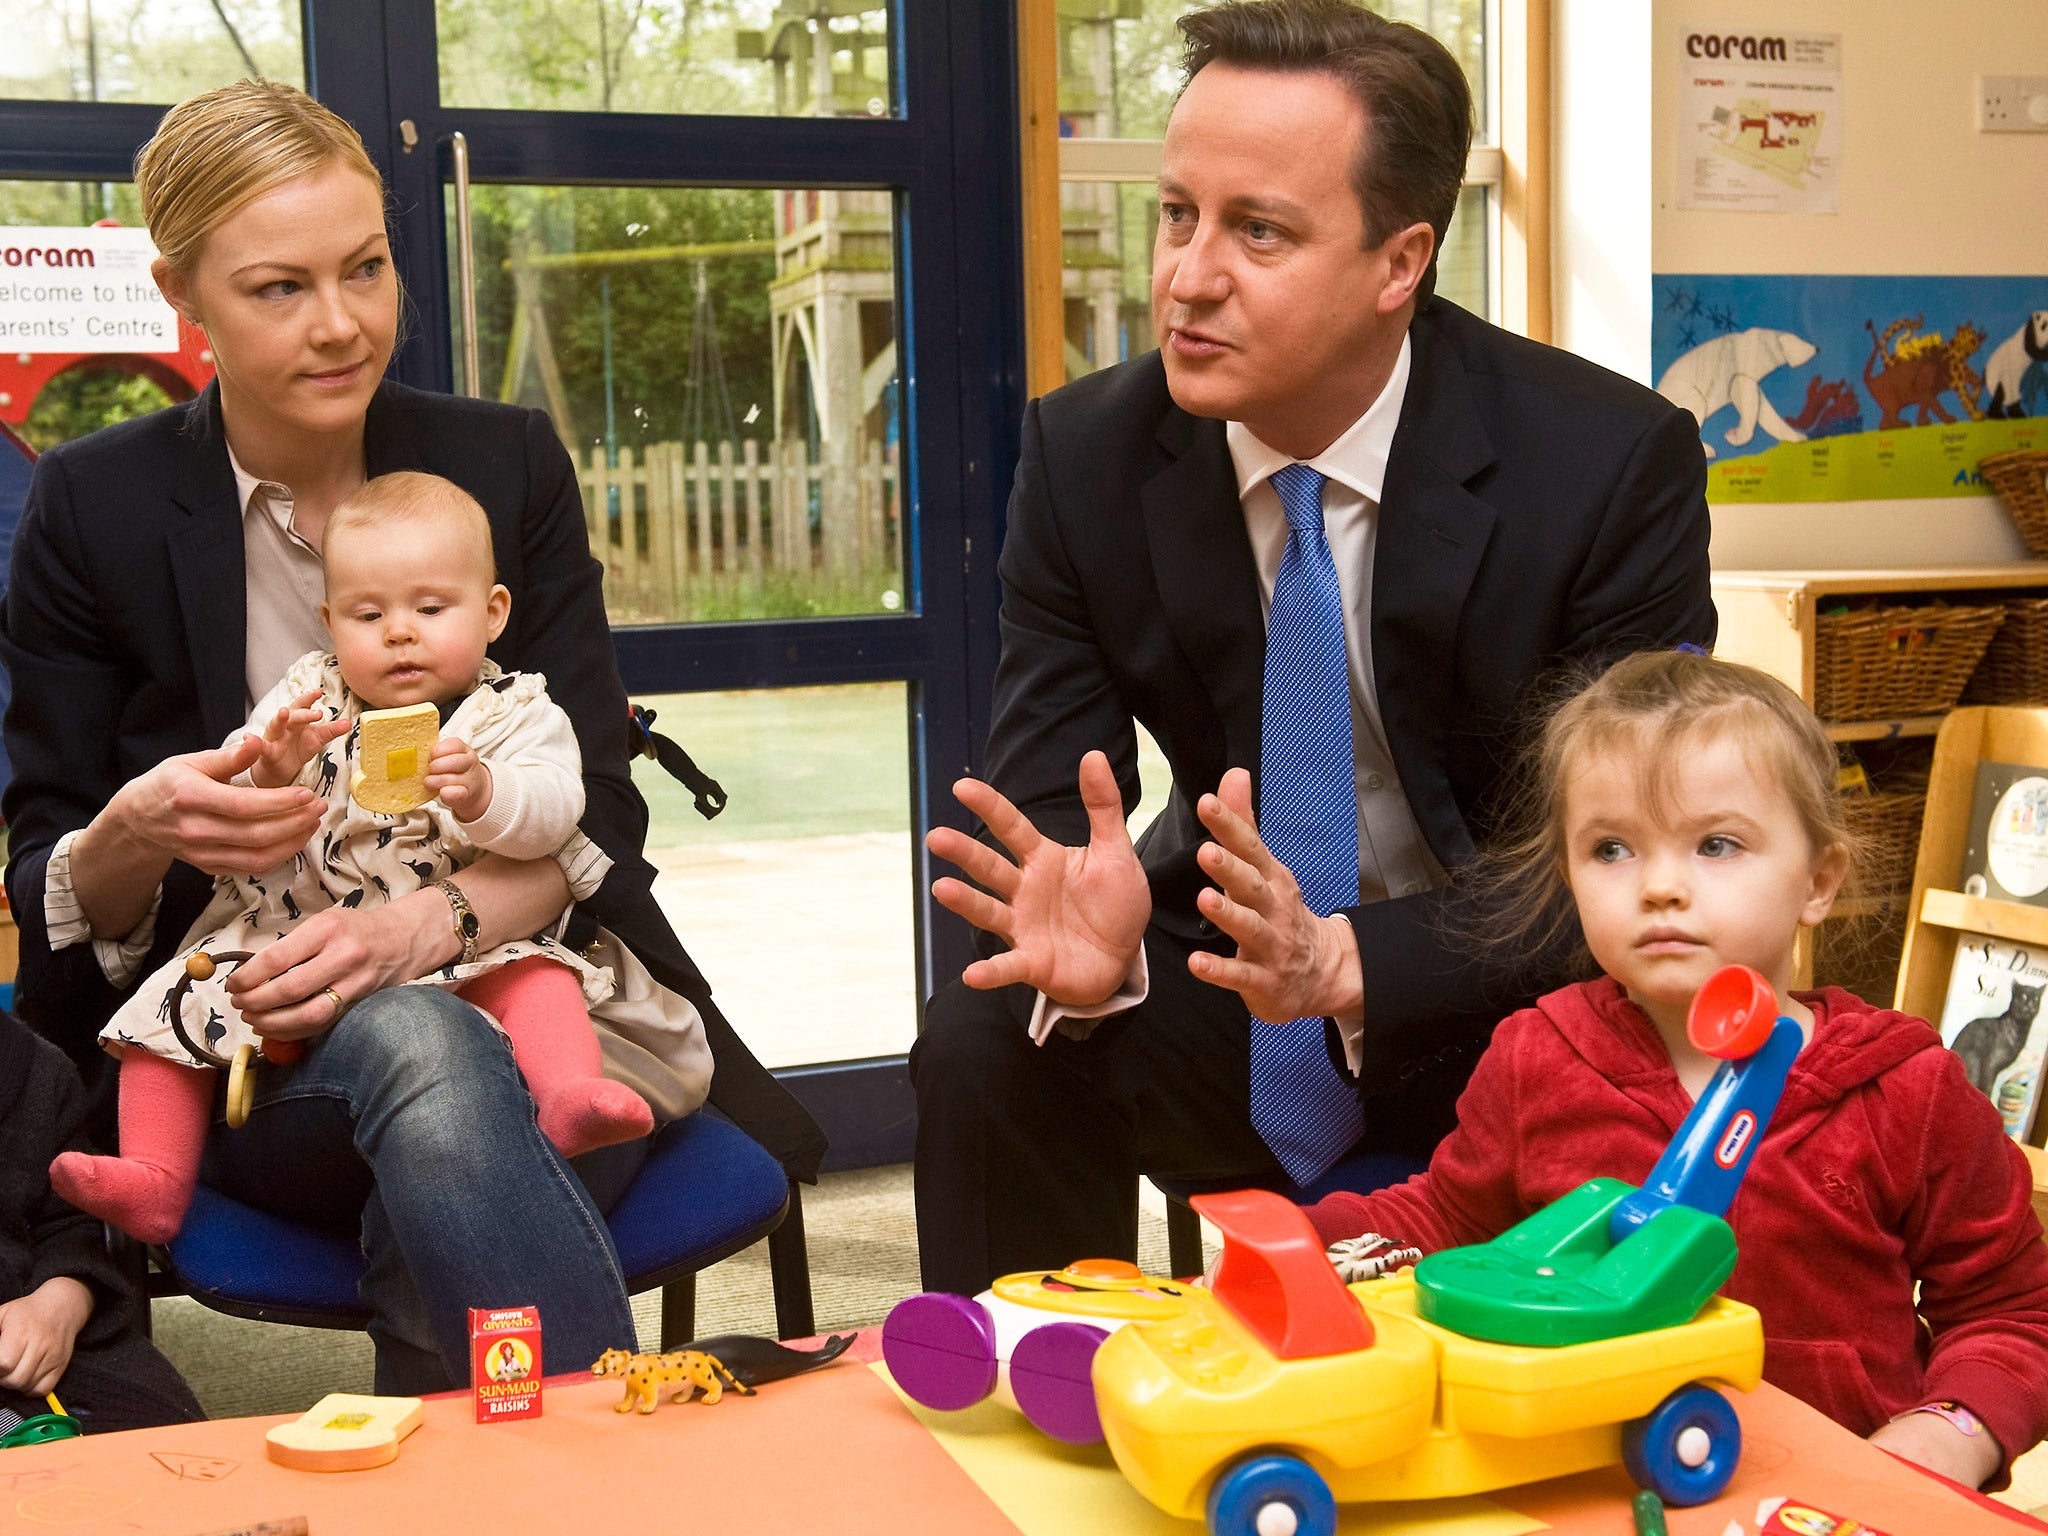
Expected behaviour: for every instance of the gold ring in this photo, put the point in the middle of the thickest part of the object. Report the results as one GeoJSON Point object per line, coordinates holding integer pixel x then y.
{"type": "Point", "coordinates": [339, 1005]}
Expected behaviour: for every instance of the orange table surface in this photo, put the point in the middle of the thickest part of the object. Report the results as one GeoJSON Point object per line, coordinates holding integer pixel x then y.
{"type": "Point", "coordinates": [826, 1453]}
{"type": "Point", "coordinates": [834, 1452]}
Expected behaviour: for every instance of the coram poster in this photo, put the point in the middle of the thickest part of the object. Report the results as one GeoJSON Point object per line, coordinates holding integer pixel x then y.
{"type": "Point", "coordinates": [1853, 388]}
{"type": "Point", "coordinates": [1759, 120]}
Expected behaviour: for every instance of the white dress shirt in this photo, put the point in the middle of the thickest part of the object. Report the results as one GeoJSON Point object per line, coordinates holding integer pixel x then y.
{"type": "Point", "coordinates": [1394, 859]}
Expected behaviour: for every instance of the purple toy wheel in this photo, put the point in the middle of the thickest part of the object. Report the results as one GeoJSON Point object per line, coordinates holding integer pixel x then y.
{"type": "Point", "coordinates": [941, 1349]}
{"type": "Point", "coordinates": [1051, 1373]}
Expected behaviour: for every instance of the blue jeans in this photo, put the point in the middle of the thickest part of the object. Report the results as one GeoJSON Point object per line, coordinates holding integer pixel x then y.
{"type": "Point", "coordinates": [410, 1119]}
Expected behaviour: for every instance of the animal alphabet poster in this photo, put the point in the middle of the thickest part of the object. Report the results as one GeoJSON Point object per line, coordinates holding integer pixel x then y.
{"type": "Point", "coordinates": [1759, 119]}
{"type": "Point", "coordinates": [1994, 1021]}
{"type": "Point", "coordinates": [1853, 388]}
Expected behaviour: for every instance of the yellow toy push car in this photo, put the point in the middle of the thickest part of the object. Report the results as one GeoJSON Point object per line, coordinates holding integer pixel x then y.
{"type": "Point", "coordinates": [1587, 1335]}
{"type": "Point", "coordinates": [1029, 1340]}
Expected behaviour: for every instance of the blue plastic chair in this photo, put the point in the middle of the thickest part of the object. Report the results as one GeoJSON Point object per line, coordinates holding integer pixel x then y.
{"type": "Point", "coordinates": [1361, 1173]}
{"type": "Point", "coordinates": [706, 1191]}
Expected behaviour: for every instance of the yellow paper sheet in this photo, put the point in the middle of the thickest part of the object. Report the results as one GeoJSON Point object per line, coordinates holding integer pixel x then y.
{"type": "Point", "coordinates": [1052, 1489]}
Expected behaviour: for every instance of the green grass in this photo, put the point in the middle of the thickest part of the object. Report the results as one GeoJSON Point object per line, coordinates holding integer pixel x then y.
{"type": "Point", "coordinates": [803, 762]}
{"type": "Point", "coordinates": [795, 762]}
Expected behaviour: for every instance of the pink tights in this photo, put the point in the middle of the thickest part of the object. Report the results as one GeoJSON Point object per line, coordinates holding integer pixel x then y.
{"type": "Point", "coordinates": [537, 1001]}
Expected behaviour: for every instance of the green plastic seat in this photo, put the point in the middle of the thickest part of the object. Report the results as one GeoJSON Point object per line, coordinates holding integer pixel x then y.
{"type": "Point", "coordinates": [1558, 1278]}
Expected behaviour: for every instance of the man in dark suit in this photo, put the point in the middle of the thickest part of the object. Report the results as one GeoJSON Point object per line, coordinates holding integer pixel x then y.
{"type": "Point", "coordinates": [1334, 531]}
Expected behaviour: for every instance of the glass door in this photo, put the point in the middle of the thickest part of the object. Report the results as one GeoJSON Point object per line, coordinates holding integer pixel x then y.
{"type": "Point", "coordinates": [756, 261]}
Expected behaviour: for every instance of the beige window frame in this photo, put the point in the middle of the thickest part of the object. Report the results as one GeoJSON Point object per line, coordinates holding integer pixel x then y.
{"type": "Point", "coordinates": [1516, 173]}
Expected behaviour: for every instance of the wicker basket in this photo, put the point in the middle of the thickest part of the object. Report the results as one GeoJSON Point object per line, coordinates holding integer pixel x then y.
{"type": "Point", "coordinates": [2015, 665]}
{"type": "Point", "coordinates": [1883, 663]}
{"type": "Point", "coordinates": [2021, 480]}
{"type": "Point", "coordinates": [1885, 826]}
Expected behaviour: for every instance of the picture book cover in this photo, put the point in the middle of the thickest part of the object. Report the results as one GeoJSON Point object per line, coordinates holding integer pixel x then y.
{"type": "Point", "coordinates": [1993, 1019]}
{"type": "Point", "coordinates": [2006, 856]}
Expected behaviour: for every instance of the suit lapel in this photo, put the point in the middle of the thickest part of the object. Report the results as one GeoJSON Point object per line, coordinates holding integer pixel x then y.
{"type": "Point", "coordinates": [1433, 533]}
{"type": "Point", "coordinates": [208, 568]}
{"type": "Point", "coordinates": [1208, 580]}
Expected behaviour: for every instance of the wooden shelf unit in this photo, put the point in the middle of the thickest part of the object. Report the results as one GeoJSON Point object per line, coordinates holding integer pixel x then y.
{"type": "Point", "coordinates": [1938, 911]}
{"type": "Point", "coordinates": [1767, 620]}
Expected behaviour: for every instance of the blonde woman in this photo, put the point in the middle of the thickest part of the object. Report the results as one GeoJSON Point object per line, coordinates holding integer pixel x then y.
{"type": "Point", "coordinates": [165, 574]}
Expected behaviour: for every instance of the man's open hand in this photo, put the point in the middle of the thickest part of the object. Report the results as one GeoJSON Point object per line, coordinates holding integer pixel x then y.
{"type": "Point", "coordinates": [1290, 963]}
{"type": "Point", "coordinates": [1073, 917]}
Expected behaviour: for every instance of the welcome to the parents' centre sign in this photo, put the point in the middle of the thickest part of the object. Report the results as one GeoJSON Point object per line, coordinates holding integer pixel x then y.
{"type": "Point", "coordinates": [81, 290]}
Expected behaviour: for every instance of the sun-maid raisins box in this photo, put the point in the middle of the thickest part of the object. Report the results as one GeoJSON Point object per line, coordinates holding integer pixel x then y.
{"type": "Point", "coordinates": [504, 1363]}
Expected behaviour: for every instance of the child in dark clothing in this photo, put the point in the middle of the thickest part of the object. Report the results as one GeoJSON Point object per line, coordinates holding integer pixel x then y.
{"type": "Point", "coordinates": [1687, 808]}
{"type": "Point", "coordinates": [69, 1322]}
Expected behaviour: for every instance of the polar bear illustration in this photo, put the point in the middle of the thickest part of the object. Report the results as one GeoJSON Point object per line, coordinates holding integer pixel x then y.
{"type": "Point", "coordinates": [1729, 370]}
{"type": "Point", "coordinates": [2016, 377]}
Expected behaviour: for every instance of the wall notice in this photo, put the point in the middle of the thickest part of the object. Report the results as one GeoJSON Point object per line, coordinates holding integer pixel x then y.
{"type": "Point", "coordinates": [81, 290]}
{"type": "Point", "coordinates": [1759, 120]}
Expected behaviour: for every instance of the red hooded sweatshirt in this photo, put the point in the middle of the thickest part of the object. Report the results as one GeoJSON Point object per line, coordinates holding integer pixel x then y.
{"type": "Point", "coordinates": [1882, 1168]}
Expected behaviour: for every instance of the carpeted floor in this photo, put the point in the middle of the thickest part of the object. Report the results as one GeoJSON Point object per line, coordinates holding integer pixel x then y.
{"type": "Point", "coordinates": [863, 1248]}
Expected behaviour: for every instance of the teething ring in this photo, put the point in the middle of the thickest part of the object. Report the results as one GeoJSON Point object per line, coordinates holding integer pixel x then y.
{"type": "Point", "coordinates": [199, 965]}
{"type": "Point", "coordinates": [241, 1087]}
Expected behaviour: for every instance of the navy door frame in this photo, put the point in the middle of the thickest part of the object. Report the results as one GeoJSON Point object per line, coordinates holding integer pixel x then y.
{"type": "Point", "coordinates": [950, 155]}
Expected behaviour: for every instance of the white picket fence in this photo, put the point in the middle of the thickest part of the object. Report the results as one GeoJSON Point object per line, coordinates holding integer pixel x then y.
{"type": "Point", "coordinates": [697, 519]}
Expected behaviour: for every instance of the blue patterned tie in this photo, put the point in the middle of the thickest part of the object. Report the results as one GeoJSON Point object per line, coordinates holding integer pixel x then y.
{"type": "Point", "coordinates": [1308, 815]}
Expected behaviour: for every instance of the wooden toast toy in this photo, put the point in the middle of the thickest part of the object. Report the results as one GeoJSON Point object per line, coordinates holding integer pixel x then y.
{"type": "Point", "coordinates": [392, 753]}
{"type": "Point", "coordinates": [345, 1432]}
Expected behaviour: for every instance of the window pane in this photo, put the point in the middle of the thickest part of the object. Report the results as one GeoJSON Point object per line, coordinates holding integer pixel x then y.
{"type": "Point", "coordinates": [797, 901]}
{"type": "Point", "coordinates": [144, 50]}
{"type": "Point", "coordinates": [50, 398]}
{"type": "Point", "coordinates": [1461, 269]}
{"type": "Point", "coordinates": [1120, 59]}
{"type": "Point", "coordinates": [785, 58]}
{"type": "Point", "coordinates": [722, 364]}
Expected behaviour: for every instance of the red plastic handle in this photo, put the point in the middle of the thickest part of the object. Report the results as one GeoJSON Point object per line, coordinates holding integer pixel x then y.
{"type": "Point", "coordinates": [1732, 1015]}
{"type": "Point", "coordinates": [1276, 1278]}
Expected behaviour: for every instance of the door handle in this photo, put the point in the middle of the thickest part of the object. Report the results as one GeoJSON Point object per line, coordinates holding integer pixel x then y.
{"type": "Point", "coordinates": [465, 264]}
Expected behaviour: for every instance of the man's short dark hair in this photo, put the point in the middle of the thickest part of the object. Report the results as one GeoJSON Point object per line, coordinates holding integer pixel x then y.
{"type": "Point", "coordinates": [1418, 107]}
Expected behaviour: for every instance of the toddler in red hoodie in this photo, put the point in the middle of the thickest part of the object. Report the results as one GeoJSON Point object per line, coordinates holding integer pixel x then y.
{"type": "Point", "coordinates": [1686, 808]}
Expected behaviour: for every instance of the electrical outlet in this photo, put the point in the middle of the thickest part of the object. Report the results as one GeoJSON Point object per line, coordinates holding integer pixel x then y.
{"type": "Point", "coordinates": [2012, 103]}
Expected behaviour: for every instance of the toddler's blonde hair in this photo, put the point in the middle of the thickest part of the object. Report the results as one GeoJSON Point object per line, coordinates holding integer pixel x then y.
{"type": "Point", "coordinates": [1655, 707]}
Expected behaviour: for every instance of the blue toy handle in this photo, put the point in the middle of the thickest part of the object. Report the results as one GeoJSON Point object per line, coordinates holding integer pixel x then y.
{"type": "Point", "coordinates": [1704, 1164]}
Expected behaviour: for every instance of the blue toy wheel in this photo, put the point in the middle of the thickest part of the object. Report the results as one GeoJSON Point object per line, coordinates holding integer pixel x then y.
{"type": "Point", "coordinates": [1687, 1449]}
{"type": "Point", "coordinates": [1272, 1495]}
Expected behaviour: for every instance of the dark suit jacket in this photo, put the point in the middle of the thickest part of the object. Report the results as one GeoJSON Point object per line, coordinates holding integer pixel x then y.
{"type": "Point", "coordinates": [123, 632]}
{"type": "Point", "coordinates": [1537, 509]}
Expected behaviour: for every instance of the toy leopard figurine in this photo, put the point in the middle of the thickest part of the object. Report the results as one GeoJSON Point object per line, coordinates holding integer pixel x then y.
{"type": "Point", "coordinates": [646, 1375]}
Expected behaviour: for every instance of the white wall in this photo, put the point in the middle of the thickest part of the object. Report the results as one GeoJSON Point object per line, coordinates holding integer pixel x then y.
{"type": "Point", "coordinates": [1923, 192]}
{"type": "Point", "coordinates": [1601, 157]}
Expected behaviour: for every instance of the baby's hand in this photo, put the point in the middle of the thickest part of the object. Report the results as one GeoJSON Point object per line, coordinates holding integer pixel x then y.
{"type": "Point", "coordinates": [37, 1332]}
{"type": "Point", "coordinates": [295, 735]}
{"type": "Point", "coordinates": [460, 778]}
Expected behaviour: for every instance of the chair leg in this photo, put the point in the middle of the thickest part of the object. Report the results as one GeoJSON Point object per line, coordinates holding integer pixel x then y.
{"type": "Point", "coordinates": [133, 1260]}
{"type": "Point", "coordinates": [789, 1272]}
{"type": "Point", "coordinates": [1183, 1239]}
{"type": "Point", "coordinates": [678, 1312]}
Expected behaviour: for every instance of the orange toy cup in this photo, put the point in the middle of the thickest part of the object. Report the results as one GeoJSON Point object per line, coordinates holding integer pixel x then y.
{"type": "Point", "coordinates": [1731, 1016]}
